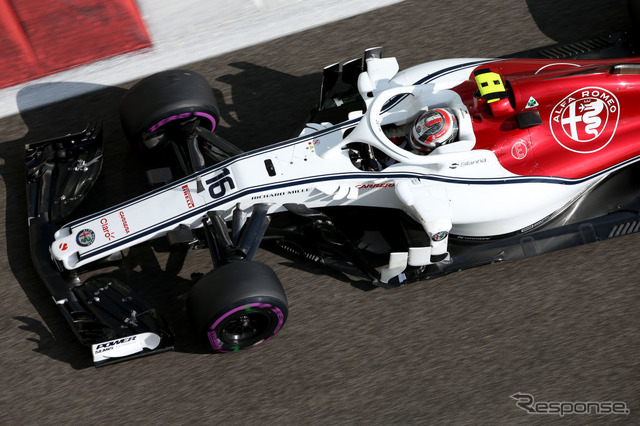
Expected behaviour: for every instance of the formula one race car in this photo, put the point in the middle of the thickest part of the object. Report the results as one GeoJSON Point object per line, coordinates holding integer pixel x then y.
{"type": "Point", "coordinates": [539, 155]}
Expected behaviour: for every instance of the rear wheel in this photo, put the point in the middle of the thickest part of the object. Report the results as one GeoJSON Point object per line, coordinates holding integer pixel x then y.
{"type": "Point", "coordinates": [160, 103]}
{"type": "Point", "coordinates": [238, 306]}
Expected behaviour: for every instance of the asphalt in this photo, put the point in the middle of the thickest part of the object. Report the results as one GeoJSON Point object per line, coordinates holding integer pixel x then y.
{"type": "Point", "coordinates": [560, 327]}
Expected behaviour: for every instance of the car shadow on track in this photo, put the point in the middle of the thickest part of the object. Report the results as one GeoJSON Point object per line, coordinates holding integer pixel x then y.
{"type": "Point", "coordinates": [55, 339]}
{"type": "Point", "coordinates": [567, 21]}
{"type": "Point", "coordinates": [262, 106]}
{"type": "Point", "coordinates": [122, 178]}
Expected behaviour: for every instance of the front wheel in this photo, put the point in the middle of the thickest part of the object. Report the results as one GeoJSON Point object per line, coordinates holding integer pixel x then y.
{"type": "Point", "coordinates": [159, 104]}
{"type": "Point", "coordinates": [238, 306]}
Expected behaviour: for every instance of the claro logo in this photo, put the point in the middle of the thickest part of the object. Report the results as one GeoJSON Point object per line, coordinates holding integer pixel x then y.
{"type": "Point", "coordinates": [108, 234]}
{"type": "Point", "coordinates": [219, 184]}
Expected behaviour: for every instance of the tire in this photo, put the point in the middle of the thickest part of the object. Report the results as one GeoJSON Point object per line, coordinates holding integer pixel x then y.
{"type": "Point", "coordinates": [156, 104]}
{"type": "Point", "coordinates": [238, 306]}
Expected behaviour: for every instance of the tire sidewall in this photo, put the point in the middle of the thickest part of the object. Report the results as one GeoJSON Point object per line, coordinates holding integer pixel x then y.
{"type": "Point", "coordinates": [230, 287]}
{"type": "Point", "coordinates": [163, 98]}
{"type": "Point", "coordinates": [269, 307]}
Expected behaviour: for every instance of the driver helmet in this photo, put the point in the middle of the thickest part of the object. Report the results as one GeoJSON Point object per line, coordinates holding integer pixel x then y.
{"type": "Point", "coordinates": [433, 128]}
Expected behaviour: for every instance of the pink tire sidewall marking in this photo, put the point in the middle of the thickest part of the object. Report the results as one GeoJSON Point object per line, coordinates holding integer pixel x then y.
{"type": "Point", "coordinates": [213, 338]}
{"type": "Point", "coordinates": [161, 123]}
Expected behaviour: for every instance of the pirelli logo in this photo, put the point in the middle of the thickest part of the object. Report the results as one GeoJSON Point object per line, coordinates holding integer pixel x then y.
{"type": "Point", "coordinates": [187, 196]}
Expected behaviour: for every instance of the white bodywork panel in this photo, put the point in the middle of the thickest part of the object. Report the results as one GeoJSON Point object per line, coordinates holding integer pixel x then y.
{"type": "Point", "coordinates": [124, 346]}
{"type": "Point", "coordinates": [456, 189]}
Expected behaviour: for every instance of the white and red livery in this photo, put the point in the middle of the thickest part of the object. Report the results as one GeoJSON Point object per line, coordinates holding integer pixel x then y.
{"type": "Point", "coordinates": [546, 157]}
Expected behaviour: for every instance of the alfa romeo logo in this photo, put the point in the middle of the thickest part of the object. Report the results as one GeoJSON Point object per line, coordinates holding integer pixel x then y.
{"type": "Point", "coordinates": [440, 236]}
{"type": "Point", "coordinates": [586, 120]}
{"type": "Point", "coordinates": [519, 150]}
{"type": "Point", "coordinates": [86, 237]}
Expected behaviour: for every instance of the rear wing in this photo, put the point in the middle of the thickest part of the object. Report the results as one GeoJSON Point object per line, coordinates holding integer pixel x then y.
{"type": "Point", "coordinates": [348, 88]}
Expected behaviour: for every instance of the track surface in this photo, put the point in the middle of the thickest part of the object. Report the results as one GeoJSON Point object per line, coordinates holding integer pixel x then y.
{"type": "Point", "coordinates": [562, 327]}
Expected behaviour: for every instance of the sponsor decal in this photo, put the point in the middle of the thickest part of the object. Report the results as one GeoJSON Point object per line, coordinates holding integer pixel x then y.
{"type": "Point", "coordinates": [532, 103]}
{"type": "Point", "coordinates": [63, 246]}
{"type": "Point", "coordinates": [187, 196]}
{"type": "Point", "coordinates": [125, 225]}
{"type": "Point", "coordinates": [440, 236]}
{"type": "Point", "coordinates": [107, 346]}
{"type": "Point", "coordinates": [468, 163]}
{"type": "Point", "coordinates": [219, 184]}
{"type": "Point", "coordinates": [280, 194]}
{"type": "Point", "coordinates": [86, 237]}
{"type": "Point", "coordinates": [124, 346]}
{"type": "Point", "coordinates": [376, 185]}
{"type": "Point", "coordinates": [108, 234]}
{"type": "Point", "coordinates": [519, 150]}
{"type": "Point", "coordinates": [471, 238]}
{"type": "Point", "coordinates": [536, 224]}
{"type": "Point", "coordinates": [586, 120]}
{"type": "Point", "coordinates": [270, 195]}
